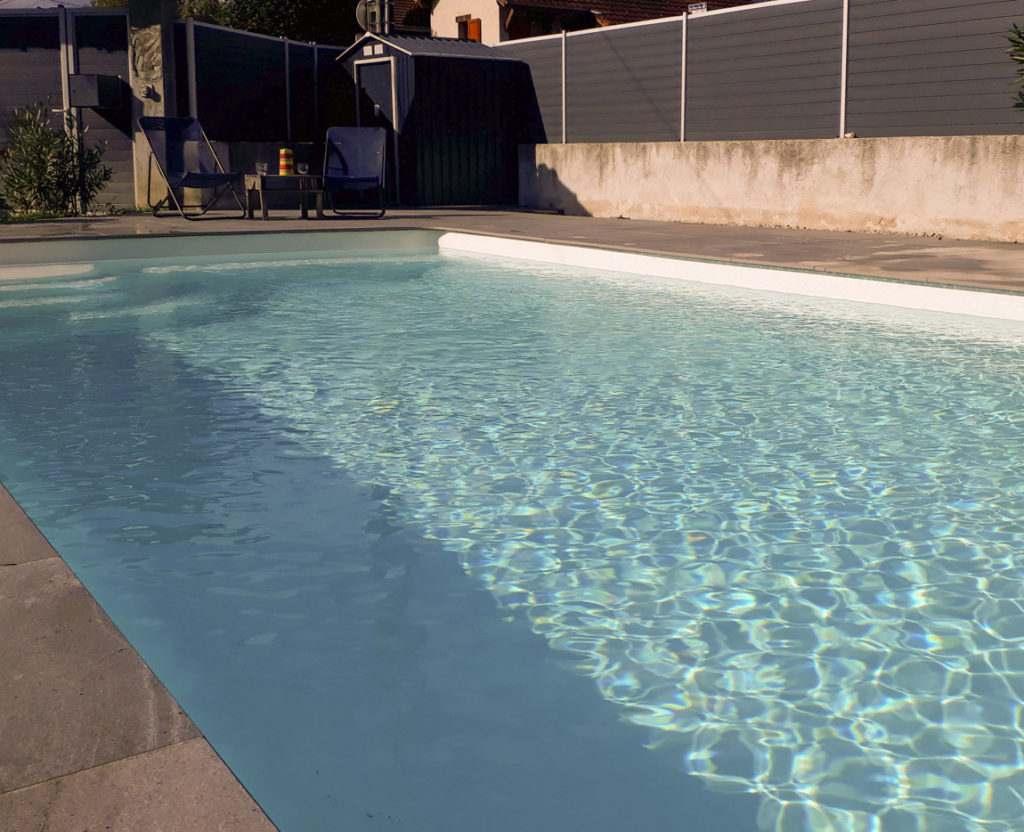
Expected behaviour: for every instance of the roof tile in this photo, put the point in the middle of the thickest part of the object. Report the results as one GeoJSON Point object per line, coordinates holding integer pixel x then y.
{"type": "Point", "coordinates": [612, 12]}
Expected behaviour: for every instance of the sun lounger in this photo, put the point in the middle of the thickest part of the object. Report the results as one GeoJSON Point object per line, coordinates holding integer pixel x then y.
{"type": "Point", "coordinates": [186, 159]}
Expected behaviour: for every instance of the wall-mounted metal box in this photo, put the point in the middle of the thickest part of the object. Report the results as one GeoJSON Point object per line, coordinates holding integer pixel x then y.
{"type": "Point", "coordinates": [104, 92]}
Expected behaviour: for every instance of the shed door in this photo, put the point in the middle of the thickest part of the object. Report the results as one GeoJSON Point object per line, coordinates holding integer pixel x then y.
{"type": "Point", "coordinates": [375, 83]}
{"type": "Point", "coordinates": [375, 105]}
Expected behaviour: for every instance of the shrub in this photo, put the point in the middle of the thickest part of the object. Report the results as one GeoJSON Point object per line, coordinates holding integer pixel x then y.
{"type": "Point", "coordinates": [48, 171]}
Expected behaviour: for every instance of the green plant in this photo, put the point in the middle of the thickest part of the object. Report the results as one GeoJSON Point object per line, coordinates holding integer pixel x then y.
{"type": "Point", "coordinates": [49, 171]}
{"type": "Point", "coordinates": [1016, 38]}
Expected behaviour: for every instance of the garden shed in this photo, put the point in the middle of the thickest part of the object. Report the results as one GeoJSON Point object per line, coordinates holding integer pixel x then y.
{"type": "Point", "coordinates": [456, 111]}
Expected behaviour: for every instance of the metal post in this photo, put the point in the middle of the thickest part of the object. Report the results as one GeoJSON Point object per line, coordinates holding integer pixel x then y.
{"type": "Point", "coordinates": [73, 115]}
{"type": "Point", "coordinates": [190, 59]}
{"type": "Point", "coordinates": [64, 23]}
{"type": "Point", "coordinates": [68, 67]}
{"type": "Point", "coordinates": [395, 126]}
{"type": "Point", "coordinates": [682, 89]}
{"type": "Point", "coordinates": [564, 126]}
{"type": "Point", "coordinates": [842, 78]}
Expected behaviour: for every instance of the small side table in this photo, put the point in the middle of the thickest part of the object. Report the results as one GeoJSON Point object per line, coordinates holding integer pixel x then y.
{"type": "Point", "coordinates": [306, 186]}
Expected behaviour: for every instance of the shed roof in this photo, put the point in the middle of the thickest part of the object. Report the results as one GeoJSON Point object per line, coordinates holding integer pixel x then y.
{"type": "Point", "coordinates": [430, 47]}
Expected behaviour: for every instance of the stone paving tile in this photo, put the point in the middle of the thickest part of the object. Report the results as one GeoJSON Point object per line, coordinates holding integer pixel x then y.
{"type": "Point", "coordinates": [73, 693]}
{"type": "Point", "coordinates": [180, 788]}
{"type": "Point", "coordinates": [20, 540]}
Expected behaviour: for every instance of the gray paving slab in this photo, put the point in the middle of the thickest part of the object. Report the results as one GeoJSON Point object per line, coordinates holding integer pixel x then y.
{"type": "Point", "coordinates": [74, 693]}
{"type": "Point", "coordinates": [180, 788]}
{"type": "Point", "coordinates": [20, 540]}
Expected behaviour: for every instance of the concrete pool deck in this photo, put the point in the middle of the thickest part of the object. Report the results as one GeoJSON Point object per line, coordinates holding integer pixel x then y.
{"type": "Point", "coordinates": [928, 260]}
{"type": "Point", "coordinates": [92, 740]}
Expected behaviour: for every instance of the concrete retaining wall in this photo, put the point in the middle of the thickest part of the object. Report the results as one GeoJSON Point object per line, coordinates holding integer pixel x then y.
{"type": "Point", "coordinates": [968, 187]}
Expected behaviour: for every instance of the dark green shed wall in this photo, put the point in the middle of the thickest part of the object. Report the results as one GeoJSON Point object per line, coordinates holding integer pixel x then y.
{"type": "Point", "coordinates": [459, 142]}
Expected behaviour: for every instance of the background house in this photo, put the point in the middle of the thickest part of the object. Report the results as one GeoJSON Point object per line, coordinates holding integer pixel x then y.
{"type": "Point", "coordinates": [494, 21]}
{"type": "Point", "coordinates": [410, 17]}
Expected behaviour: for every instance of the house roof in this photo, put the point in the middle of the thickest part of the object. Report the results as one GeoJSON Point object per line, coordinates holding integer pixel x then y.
{"type": "Point", "coordinates": [42, 4]}
{"type": "Point", "coordinates": [612, 12]}
{"type": "Point", "coordinates": [609, 11]}
{"type": "Point", "coordinates": [410, 13]}
{"type": "Point", "coordinates": [430, 47]}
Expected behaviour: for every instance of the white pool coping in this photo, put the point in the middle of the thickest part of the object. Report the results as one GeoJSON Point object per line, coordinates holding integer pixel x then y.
{"type": "Point", "coordinates": [63, 258]}
{"type": "Point", "coordinates": [68, 258]}
{"type": "Point", "coordinates": [979, 303]}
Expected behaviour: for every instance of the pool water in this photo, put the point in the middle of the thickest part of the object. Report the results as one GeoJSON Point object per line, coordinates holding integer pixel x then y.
{"type": "Point", "coordinates": [441, 543]}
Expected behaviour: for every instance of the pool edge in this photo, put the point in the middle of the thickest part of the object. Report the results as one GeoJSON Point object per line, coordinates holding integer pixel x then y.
{"type": "Point", "coordinates": [23, 253]}
{"type": "Point", "coordinates": [905, 294]}
{"type": "Point", "coordinates": [437, 232]}
{"type": "Point", "coordinates": [93, 738]}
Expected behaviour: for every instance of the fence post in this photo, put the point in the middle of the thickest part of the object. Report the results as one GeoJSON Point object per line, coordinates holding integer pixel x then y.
{"type": "Point", "coordinates": [843, 69]}
{"type": "Point", "coordinates": [682, 88]}
{"type": "Point", "coordinates": [190, 55]}
{"type": "Point", "coordinates": [316, 94]}
{"type": "Point", "coordinates": [564, 126]}
{"type": "Point", "coordinates": [287, 92]}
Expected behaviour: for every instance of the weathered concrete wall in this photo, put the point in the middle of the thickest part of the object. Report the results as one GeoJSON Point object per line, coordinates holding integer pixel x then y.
{"type": "Point", "coordinates": [968, 187]}
{"type": "Point", "coordinates": [153, 91]}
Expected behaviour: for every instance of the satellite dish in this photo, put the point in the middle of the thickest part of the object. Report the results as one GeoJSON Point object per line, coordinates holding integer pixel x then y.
{"type": "Point", "coordinates": [368, 15]}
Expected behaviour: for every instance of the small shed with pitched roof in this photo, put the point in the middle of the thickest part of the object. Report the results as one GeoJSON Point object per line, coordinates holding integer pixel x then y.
{"type": "Point", "coordinates": [456, 110]}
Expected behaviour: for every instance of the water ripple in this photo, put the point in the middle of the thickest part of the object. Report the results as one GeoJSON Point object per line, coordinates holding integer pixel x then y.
{"type": "Point", "coordinates": [782, 532]}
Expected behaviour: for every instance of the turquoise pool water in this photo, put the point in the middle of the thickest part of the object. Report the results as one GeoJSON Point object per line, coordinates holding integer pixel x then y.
{"type": "Point", "coordinates": [449, 544]}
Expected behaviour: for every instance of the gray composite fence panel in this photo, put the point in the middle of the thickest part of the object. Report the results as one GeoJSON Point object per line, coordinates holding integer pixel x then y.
{"type": "Point", "coordinates": [768, 72]}
{"type": "Point", "coordinates": [240, 84]}
{"type": "Point", "coordinates": [102, 47]}
{"type": "Point", "coordinates": [302, 95]}
{"type": "Point", "coordinates": [544, 59]}
{"type": "Point", "coordinates": [29, 64]}
{"type": "Point", "coordinates": [931, 68]}
{"type": "Point", "coordinates": [336, 103]}
{"type": "Point", "coordinates": [625, 84]}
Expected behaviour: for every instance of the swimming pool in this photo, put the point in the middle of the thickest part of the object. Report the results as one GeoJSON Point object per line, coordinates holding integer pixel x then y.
{"type": "Point", "coordinates": [444, 543]}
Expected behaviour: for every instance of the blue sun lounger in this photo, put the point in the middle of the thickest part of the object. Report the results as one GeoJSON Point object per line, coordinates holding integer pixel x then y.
{"type": "Point", "coordinates": [354, 162]}
{"type": "Point", "coordinates": [186, 159]}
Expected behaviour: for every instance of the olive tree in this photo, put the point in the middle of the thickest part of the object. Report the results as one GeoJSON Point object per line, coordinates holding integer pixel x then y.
{"type": "Point", "coordinates": [46, 170]}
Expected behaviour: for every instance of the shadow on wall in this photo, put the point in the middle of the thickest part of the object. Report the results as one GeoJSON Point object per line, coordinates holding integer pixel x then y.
{"type": "Point", "coordinates": [541, 189]}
